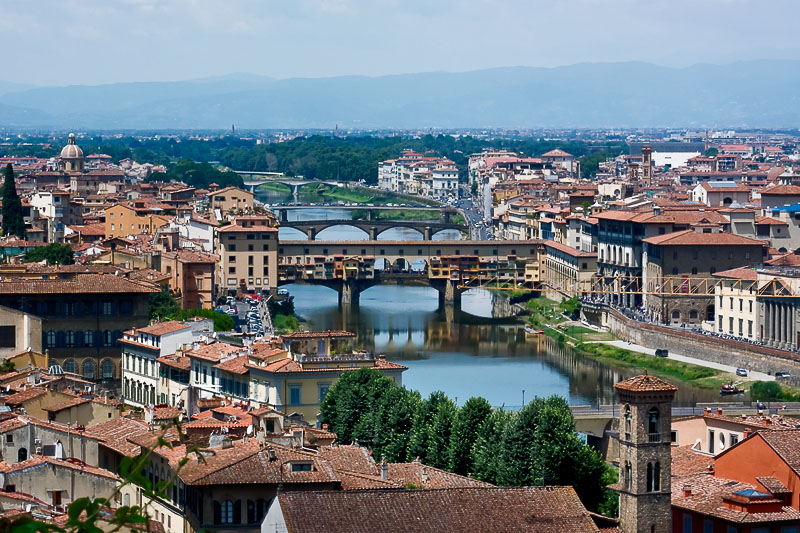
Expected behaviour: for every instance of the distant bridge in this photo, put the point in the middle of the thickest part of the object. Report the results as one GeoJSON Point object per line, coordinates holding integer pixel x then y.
{"type": "Point", "coordinates": [373, 228]}
{"type": "Point", "coordinates": [502, 261]}
{"type": "Point", "coordinates": [254, 179]}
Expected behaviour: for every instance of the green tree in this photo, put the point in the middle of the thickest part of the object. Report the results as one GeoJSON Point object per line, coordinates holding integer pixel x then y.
{"type": "Point", "coordinates": [486, 452]}
{"type": "Point", "coordinates": [712, 152]}
{"type": "Point", "coordinates": [13, 221]}
{"type": "Point", "coordinates": [474, 188]}
{"type": "Point", "coordinates": [222, 322]}
{"type": "Point", "coordinates": [466, 425]}
{"type": "Point", "coordinates": [54, 253]}
{"type": "Point", "coordinates": [162, 304]}
{"type": "Point", "coordinates": [422, 427]}
{"type": "Point", "coordinates": [441, 427]}
{"type": "Point", "coordinates": [766, 391]}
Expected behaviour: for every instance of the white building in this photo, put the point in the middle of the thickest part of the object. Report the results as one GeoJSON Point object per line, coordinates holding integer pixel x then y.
{"type": "Point", "coordinates": [413, 173]}
{"type": "Point", "coordinates": [143, 346]}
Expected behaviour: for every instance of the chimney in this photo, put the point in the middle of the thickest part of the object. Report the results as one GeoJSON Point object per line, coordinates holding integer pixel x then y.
{"type": "Point", "coordinates": [687, 491]}
{"type": "Point", "coordinates": [747, 432]}
{"type": "Point", "coordinates": [707, 411]}
{"type": "Point", "coordinates": [384, 469]}
{"type": "Point", "coordinates": [768, 421]}
{"type": "Point", "coordinates": [719, 411]}
{"type": "Point", "coordinates": [424, 474]}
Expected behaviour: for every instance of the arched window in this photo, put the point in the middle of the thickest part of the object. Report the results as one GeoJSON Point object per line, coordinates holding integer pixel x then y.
{"type": "Point", "coordinates": [693, 314]}
{"type": "Point", "coordinates": [676, 314]}
{"type": "Point", "coordinates": [656, 477]}
{"type": "Point", "coordinates": [127, 389]}
{"type": "Point", "coordinates": [88, 369]}
{"type": "Point", "coordinates": [69, 366]}
{"type": "Point", "coordinates": [628, 422]}
{"type": "Point", "coordinates": [107, 368]}
{"type": "Point", "coordinates": [22, 454]}
{"type": "Point", "coordinates": [628, 475]}
{"type": "Point", "coordinates": [652, 422]}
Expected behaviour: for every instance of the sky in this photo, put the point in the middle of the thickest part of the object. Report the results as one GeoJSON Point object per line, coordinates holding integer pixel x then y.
{"type": "Point", "coordinates": [88, 42]}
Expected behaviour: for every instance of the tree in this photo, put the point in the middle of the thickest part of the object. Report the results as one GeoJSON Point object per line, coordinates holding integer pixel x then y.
{"type": "Point", "coordinates": [222, 322]}
{"type": "Point", "coordinates": [474, 188]}
{"type": "Point", "coordinates": [712, 152]}
{"type": "Point", "coordinates": [162, 304]}
{"type": "Point", "coordinates": [53, 253]}
{"type": "Point", "coordinates": [422, 427]}
{"type": "Point", "coordinates": [486, 451]}
{"type": "Point", "coordinates": [441, 427]}
{"type": "Point", "coordinates": [766, 391]}
{"type": "Point", "coordinates": [13, 221]}
{"type": "Point", "coordinates": [466, 425]}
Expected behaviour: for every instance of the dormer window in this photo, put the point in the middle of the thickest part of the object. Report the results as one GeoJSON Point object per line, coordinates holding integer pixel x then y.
{"type": "Point", "coordinates": [301, 467]}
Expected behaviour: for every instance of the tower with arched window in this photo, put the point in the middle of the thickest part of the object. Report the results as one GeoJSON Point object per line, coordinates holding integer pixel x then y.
{"type": "Point", "coordinates": [644, 454]}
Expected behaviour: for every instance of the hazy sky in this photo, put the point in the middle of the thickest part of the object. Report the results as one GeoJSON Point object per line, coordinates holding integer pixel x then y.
{"type": "Point", "coordinates": [50, 42]}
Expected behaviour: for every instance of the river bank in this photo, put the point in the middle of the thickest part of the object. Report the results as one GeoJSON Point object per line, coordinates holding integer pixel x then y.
{"type": "Point", "coordinates": [405, 214]}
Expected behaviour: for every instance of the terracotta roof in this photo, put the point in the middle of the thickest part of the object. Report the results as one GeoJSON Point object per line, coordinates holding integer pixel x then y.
{"type": "Point", "coordinates": [212, 352]}
{"type": "Point", "coordinates": [18, 398]}
{"type": "Point", "coordinates": [166, 413]}
{"type": "Point", "coordinates": [236, 365]}
{"type": "Point", "coordinates": [174, 361]}
{"type": "Point", "coordinates": [352, 458]}
{"type": "Point", "coordinates": [686, 461]}
{"type": "Point", "coordinates": [429, 477]}
{"type": "Point", "coordinates": [744, 273]}
{"type": "Point", "coordinates": [162, 328]}
{"type": "Point", "coordinates": [645, 383]}
{"type": "Point", "coordinates": [782, 190]}
{"type": "Point", "coordinates": [37, 460]}
{"type": "Point", "coordinates": [771, 221]}
{"type": "Point", "coordinates": [789, 259]}
{"type": "Point", "coordinates": [66, 404]}
{"type": "Point", "coordinates": [116, 433]}
{"type": "Point", "coordinates": [786, 444]}
{"type": "Point", "coordinates": [539, 509]}
{"type": "Point", "coordinates": [568, 249]}
{"type": "Point", "coordinates": [692, 238]}
{"type": "Point", "coordinates": [706, 495]}
{"type": "Point", "coordinates": [86, 284]}
{"type": "Point", "coordinates": [249, 463]}
{"type": "Point", "coordinates": [773, 485]}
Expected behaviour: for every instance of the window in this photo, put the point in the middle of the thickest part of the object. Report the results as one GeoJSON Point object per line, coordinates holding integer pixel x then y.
{"type": "Point", "coordinates": [88, 369]}
{"type": "Point", "coordinates": [108, 339]}
{"type": "Point", "coordinates": [710, 441]}
{"type": "Point", "coordinates": [652, 425]}
{"type": "Point", "coordinates": [628, 475]}
{"type": "Point", "coordinates": [687, 523]}
{"type": "Point", "coordinates": [730, 325]}
{"type": "Point", "coordinates": [674, 271]}
{"type": "Point", "coordinates": [69, 366]}
{"type": "Point", "coordinates": [741, 304]}
{"type": "Point", "coordinates": [88, 337]}
{"type": "Point", "coordinates": [673, 436]}
{"type": "Point", "coordinates": [628, 422]}
{"type": "Point", "coordinates": [749, 328]}
{"type": "Point", "coordinates": [323, 390]}
{"type": "Point", "coordinates": [301, 467]}
{"type": "Point", "coordinates": [294, 394]}
{"type": "Point", "coordinates": [256, 510]}
{"type": "Point", "coordinates": [751, 305]}
{"type": "Point", "coordinates": [231, 270]}
{"type": "Point", "coordinates": [653, 477]}
{"type": "Point", "coordinates": [107, 308]}
{"type": "Point", "coordinates": [51, 339]}
{"type": "Point", "coordinates": [741, 327]}
{"type": "Point", "coordinates": [720, 322]}
{"type": "Point", "coordinates": [231, 247]}
{"type": "Point", "coordinates": [108, 369]}
{"type": "Point", "coordinates": [9, 438]}
{"type": "Point", "coordinates": [223, 512]}
{"type": "Point", "coordinates": [8, 335]}
{"type": "Point", "coordinates": [734, 439]}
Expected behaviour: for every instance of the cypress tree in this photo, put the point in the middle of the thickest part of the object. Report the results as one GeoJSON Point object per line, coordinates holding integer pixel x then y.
{"type": "Point", "coordinates": [13, 222]}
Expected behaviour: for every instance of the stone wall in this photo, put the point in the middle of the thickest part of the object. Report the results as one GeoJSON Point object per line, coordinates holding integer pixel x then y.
{"type": "Point", "coordinates": [733, 353]}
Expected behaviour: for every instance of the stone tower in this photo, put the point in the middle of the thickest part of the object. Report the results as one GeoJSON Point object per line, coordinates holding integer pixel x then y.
{"type": "Point", "coordinates": [647, 165]}
{"type": "Point", "coordinates": [645, 504]}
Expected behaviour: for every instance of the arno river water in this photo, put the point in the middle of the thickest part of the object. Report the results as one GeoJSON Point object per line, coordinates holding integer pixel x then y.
{"type": "Point", "coordinates": [463, 352]}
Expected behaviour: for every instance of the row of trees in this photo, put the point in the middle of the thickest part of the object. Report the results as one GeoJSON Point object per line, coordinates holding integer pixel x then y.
{"type": "Point", "coordinates": [535, 446]}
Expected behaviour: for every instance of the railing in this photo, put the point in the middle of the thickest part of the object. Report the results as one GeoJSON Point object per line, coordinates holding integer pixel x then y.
{"type": "Point", "coordinates": [313, 358]}
{"type": "Point", "coordinates": [654, 437]}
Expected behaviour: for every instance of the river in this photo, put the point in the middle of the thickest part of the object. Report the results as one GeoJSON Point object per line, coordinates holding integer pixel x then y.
{"type": "Point", "coordinates": [462, 351]}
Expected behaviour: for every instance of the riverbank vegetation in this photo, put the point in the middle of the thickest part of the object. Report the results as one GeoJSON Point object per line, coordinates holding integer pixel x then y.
{"type": "Point", "coordinates": [701, 376]}
{"type": "Point", "coordinates": [199, 175]}
{"type": "Point", "coordinates": [535, 446]}
{"type": "Point", "coordinates": [360, 195]}
{"type": "Point", "coordinates": [769, 391]}
{"type": "Point", "coordinates": [283, 315]}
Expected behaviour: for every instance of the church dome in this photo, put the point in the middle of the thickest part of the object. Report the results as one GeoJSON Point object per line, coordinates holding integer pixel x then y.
{"type": "Point", "coordinates": [71, 150]}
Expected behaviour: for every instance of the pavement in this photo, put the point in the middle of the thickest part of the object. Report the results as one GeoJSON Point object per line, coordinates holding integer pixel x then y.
{"type": "Point", "coordinates": [473, 216]}
{"type": "Point", "coordinates": [751, 374]}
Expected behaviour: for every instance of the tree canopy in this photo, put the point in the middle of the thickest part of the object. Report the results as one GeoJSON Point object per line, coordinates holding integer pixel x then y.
{"type": "Point", "coordinates": [536, 446]}
{"type": "Point", "coordinates": [13, 220]}
{"type": "Point", "coordinates": [199, 175]}
{"type": "Point", "coordinates": [54, 253]}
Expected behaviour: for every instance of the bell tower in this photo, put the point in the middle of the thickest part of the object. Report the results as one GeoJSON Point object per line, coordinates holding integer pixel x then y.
{"type": "Point", "coordinates": [645, 504]}
{"type": "Point", "coordinates": [647, 165]}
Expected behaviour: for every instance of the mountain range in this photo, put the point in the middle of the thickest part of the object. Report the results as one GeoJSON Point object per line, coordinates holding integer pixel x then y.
{"type": "Point", "coordinates": [753, 94]}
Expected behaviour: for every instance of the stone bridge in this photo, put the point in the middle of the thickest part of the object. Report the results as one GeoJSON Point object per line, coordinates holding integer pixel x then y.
{"type": "Point", "coordinates": [398, 258]}
{"type": "Point", "coordinates": [373, 228]}
{"type": "Point", "coordinates": [254, 179]}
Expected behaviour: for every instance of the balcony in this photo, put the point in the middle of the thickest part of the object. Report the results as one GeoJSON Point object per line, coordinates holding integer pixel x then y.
{"type": "Point", "coordinates": [654, 437]}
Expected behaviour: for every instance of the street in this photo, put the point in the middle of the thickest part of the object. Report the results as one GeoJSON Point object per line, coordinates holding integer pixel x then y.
{"type": "Point", "coordinates": [473, 217]}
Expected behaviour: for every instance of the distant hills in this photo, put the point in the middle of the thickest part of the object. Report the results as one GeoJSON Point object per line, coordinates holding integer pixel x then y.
{"type": "Point", "coordinates": [755, 94]}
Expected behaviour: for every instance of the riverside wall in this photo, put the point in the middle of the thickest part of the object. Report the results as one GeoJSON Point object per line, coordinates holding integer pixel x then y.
{"type": "Point", "coordinates": [723, 351]}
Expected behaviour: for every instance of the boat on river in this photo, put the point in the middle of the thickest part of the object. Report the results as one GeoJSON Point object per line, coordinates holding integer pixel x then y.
{"type": "Point", "coordinates": [730, 388]}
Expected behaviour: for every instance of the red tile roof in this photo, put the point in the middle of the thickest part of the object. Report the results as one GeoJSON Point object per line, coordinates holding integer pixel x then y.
{"type": "Point", "coordinates": [115, 434]}
{"type": "Point", "coordinates": [645, 383]}
{"type": "Point", "coordinates": [692, 238]}
{"type": "Point", "coordinates": [477, 510]}
{"type": "Point", "coordinates": [85, 284]}
{"type": "Point", "coordinates": [781, 190]}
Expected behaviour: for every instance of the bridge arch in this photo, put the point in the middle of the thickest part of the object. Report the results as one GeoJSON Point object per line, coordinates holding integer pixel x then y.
{"type": "Point", "coordinates": [320, 235]}
{"type": "Point", "coordinates": [399, 226]}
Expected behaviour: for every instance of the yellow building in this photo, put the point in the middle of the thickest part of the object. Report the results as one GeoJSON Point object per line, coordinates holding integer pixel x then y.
{"type": "Point", "coordinates": [131, 219]}
{"type": "Point", "coordinates": [230, 200]}
{"type": "Point", "coordinates": [248, 252]}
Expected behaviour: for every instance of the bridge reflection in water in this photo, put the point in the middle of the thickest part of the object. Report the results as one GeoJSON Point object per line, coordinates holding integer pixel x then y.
{"type": "Point", "coordinates": [450, 349]}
